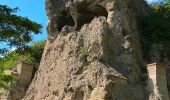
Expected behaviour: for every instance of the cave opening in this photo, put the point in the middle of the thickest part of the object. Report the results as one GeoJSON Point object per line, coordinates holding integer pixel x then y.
{"type": "Point", "coordinates": [85, 17]}
{"type": "Point", "coordinates": [64, 19]}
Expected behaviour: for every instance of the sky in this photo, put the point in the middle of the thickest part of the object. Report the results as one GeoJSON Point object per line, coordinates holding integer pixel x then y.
{"type": "Point", "coordinates": [35, 11]}
{"type": "Point", "coordinates": [150, 1]}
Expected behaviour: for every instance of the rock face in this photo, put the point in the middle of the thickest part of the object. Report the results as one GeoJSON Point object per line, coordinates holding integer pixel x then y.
{"type": "Point", "coordinates": [99, 61]}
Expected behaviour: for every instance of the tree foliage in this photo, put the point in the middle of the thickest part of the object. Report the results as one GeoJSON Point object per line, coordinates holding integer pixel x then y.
{"type": "Point", "coordinates": [31, 55]}
{"type": "Point", "coordinates": [156, 27]}
{"type": "Point", "coordinates": [15, 30]}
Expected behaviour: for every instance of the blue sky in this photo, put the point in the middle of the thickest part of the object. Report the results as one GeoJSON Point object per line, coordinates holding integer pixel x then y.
{"type": "Point", "coordinates": [34, 10]}
{"type": "Point", "coordinates": [150, 1]}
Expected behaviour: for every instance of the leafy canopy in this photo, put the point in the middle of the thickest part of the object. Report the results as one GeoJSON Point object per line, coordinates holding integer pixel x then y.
{"type": "Point", "coordinates": [31, 55]}
{"type": "Point", "coordinates": [15, 30]}
{"type": "Point", "coordinates": [156, 27]}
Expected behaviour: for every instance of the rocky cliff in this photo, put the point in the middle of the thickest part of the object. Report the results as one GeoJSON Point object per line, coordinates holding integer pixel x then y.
{"type": "Point", "coordinates": [92, 53]}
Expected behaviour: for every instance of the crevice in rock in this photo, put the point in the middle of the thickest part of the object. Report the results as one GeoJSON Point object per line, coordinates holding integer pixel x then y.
{"type": "Point", "coordinates": [64, 19]}
{"type": "Point", "coordinates": [79, 95]}
{"type": "Point", "coordinates": [55, 93]}
{"type": "Point", "coordinates": [90, 87]}
{"type": "Point", "coordinates": [108, 97]}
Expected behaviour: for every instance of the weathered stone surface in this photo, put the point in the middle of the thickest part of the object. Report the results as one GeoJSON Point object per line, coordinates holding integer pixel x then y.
{"type": "Point", "coordinates": [157, 83]}
{"type": "Point", "coordinates": [158, 54]}
{"type": "Point", "coordinates": [99, 61]}
{"type": "Point", "coordinates": [22, 80]}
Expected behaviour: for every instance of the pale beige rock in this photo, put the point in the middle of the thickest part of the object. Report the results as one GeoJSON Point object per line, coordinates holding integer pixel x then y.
{"type": "Point", "coordinates": [101, 61]}
{"type": "Point", "coordinates": [22, 80]}
{"type": "Point", "coordinates": [157, 83]}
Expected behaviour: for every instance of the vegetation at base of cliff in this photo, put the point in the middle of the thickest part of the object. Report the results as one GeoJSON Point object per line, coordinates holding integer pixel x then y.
{"type": "Point", "coordinates": [156, 27]}
{"type": "Point", "coordinates": [31, 55]}
{"type": "Point", "coordinates": [5, 81]}
{"type": "Point", "coordinates": [15, 30]}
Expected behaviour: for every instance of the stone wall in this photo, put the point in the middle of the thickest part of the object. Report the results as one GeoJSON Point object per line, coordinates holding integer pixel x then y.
{"type": "Point", "coordinates": [157, 83]}
{"type": "Point", "coordinates": [22, 79]}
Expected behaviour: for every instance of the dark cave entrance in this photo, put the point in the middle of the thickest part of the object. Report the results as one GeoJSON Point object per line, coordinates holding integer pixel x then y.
{"type": "Point", "coordinates": [86, 16]}
{"type": "Point", "coordinates": [64, 19]}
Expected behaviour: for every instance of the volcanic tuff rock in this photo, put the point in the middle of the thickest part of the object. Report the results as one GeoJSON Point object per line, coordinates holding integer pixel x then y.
{"type": "Point", "coordinates": [99, 61]}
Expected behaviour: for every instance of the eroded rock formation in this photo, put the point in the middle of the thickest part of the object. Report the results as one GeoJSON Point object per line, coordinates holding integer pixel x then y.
{"type": "Point", "coordinates": [92, 52]}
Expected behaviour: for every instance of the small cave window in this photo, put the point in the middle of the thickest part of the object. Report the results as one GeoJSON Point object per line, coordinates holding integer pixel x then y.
{"type": "Point", "coordinates": [64, 19]}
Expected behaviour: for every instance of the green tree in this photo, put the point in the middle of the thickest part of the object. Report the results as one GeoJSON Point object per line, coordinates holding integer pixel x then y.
{"type": "Point", "coordinates": [15, 30]}
{"type": "Point", "coordinates": [31, 55]}
{"type": "Point", "coordinates": [156, 27]}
